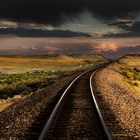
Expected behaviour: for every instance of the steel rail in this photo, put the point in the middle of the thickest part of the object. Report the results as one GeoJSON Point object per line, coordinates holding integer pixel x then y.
{"type": "Point", "coordinates": [61, 101]}
{"type": "Point", "coordinates": [57, 109]}
{"type": "Point", "coordinates": [108, 137]}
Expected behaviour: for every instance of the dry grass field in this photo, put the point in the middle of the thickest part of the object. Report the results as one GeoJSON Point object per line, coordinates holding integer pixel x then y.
{"type": "Point", "coordinates": [20, 75]}
{"type": "Point", "coordinates": [14, 64]}
{"type": "Point", "coordinates": [129, 68]}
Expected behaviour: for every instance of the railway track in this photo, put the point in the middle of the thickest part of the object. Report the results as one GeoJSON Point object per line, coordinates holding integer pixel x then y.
{"type": "Point", "coordinates": [76, 115]}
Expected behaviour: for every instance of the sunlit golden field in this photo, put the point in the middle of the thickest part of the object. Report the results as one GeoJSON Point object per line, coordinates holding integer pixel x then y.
{"type": "Point", "coordinates": [24, 73]}
{"type": "Point", "coordinates": [131, 60]}
{"type": "Point", "coordinates": [129, 68]}
{"type": "Point", "coordinates": [20, 64]}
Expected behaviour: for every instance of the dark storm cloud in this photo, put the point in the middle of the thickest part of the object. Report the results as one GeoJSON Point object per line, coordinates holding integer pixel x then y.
{"type": "Point", "coordinates": [130, 31]}
{"type": "Point", "coordinates": [23, 32]}
{"type": "Point", "coordinates": [134, 28]}
{"type": "Point", "coordinates": [51, 11]}
{"type": "Point", "coordinates": [121, 24]}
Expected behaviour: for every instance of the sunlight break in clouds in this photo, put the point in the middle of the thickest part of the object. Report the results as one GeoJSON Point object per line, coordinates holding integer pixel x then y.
{"type": "Point", "coordinates": [31, 46]}
{"type": "Point", "coordinates": [106, 46]}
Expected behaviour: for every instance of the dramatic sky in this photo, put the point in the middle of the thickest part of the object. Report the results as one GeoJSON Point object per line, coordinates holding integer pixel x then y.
{"type": "Point", "coordinates": [83, 26]}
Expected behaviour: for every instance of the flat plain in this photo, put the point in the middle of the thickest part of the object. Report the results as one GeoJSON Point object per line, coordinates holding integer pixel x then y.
{"type": "Point", "coordinates": [20, 75]}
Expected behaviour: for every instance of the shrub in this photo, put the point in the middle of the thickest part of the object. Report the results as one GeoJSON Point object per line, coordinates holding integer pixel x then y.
{"type": "Point", "coordinates": [136, 84]}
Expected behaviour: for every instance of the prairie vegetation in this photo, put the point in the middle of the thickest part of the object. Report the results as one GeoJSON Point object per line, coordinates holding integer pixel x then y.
{"type": "Point", "coordinates": [12, 84]}
{"type": "Point", "coordinates": [132, 75]}
{"type": "Point", "coordinates": [23, 74]}
{"type": "Point", "coordinates": [130, 69]}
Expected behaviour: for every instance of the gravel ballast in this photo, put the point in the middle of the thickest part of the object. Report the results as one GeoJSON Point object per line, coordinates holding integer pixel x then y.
{"type": "Point", "coordinates": [18, 118]}
{"type": "Point", "coordinates": [122, 101]}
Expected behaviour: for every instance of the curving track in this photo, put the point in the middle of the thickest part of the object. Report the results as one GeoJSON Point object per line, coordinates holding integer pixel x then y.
{"type": "Point", "coordinates": [76, 115]}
